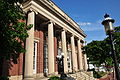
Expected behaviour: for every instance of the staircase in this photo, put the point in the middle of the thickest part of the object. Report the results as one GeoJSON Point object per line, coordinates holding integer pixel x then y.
{"type": "Point", "coordinates": [82, 76]}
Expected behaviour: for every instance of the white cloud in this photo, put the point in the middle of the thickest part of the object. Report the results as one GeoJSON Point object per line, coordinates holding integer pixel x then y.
{"type": "Point", "coordinates": [84, 23]}
{"type": "Point", "coordinates": [88, 26]}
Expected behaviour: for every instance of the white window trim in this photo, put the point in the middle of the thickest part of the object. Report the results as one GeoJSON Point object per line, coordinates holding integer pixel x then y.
{"type": "Point", "coordinates": [35, 70]}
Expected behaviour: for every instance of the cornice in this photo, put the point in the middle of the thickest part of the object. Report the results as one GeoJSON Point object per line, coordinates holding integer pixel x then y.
{"type": "Point", "coordinates": [49, 6]}
{"type": "Point", "coordinates": [64, 16]}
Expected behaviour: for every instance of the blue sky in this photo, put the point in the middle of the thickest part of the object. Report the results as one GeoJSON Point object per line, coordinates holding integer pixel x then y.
{"type": "Point", "coordinates": [89, 14]}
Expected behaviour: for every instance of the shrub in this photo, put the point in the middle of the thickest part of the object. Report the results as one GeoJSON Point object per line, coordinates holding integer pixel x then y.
{"type": "Point", "coordinates": [54, 78]}
{"type": "Point", "coordinates": [4, 78]}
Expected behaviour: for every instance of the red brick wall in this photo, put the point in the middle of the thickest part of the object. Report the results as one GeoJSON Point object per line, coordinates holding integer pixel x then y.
{"type": "Point", "coordinates": [16, 69]}
{"type": "Point", "coordinates": [55, 53]}
{"type": "Point", "coordinates": [40, 35]}
{"type": "Point", "coordinates": [20, 65]}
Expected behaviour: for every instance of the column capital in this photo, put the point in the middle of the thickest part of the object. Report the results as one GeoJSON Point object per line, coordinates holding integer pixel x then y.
{"type": "Point", "coordinates": [48, 22]}
{"type": "Point", "coordinates": [63, 29]}
{"type": "Point", "coordinates": [82, 41]}
{"type": "Point", "coordinates": [72, 35]}
{"type": "Point", "coordinates": [51, 22]}
{"type": "Point", "coordinates": [78, 39]}
{"type": "Point", "coordinates": [32, 10]}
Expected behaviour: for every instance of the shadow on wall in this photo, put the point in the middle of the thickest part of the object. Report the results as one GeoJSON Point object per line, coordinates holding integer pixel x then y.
{"type": "Point", "coordinates": [5, 66]}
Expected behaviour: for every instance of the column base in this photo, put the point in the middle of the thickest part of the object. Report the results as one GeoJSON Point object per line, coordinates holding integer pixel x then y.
{"type": "Point", "coordinates": [65, 72]}
{"type": "Point", "coordinates": [28, 78]}
{"type": "Point", "coordinates": [52, 74]}
{"type": "Point", "coordinates": [81, 70]}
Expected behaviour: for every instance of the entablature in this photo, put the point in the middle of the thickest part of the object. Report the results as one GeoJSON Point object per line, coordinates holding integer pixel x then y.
{"type": "Point", "coordinates": [44, 7]}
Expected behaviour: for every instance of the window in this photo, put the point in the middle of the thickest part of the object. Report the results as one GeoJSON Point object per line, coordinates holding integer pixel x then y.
{"type": "Point", "coordinates": [35, 58]}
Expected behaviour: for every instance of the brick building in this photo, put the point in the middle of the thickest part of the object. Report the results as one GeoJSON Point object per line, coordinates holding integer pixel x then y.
{"type": "Point", "coordinates": [53, 33]}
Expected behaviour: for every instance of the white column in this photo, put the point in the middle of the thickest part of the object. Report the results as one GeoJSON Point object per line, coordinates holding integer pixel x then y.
{"type": "Point", "coordinates": [85, 62]}
{"type": "Point", "coordinates": [80, 55]}
{"type": "Point", "coordinates": [74, 59]}
{"type": "Point", "coordinates": [28, 74]}
{"type": "Point", "coordinates": [50, 48]}
{"type": "Point", "coordinates": [64, 50]}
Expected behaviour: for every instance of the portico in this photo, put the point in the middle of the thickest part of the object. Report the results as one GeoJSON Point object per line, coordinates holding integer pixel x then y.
{"type": "Point", "coordinates": [53, 32]}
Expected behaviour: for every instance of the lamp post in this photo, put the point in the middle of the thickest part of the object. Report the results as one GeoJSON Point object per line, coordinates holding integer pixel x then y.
{"type": "Point", "coordinates": [107, 22]}
{"type": "Point", "coordinates": [60, 60]}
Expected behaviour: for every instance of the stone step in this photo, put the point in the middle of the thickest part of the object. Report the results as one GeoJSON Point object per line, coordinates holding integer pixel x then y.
{"type": "Point", "coordinates": [82, 76]}
{"type": "Point", "coordinates": [42, 78]}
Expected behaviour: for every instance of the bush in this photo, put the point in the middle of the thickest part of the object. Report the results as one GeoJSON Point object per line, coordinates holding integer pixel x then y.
{"type": "Point", "coordinates": [98, 74]}
{"type": "Point", "coordinates": [4, 78]}
{"type": "Point", "coordinates": [54, 78]}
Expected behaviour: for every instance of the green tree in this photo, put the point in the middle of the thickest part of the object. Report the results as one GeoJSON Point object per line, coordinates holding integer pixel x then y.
{"type": "Point", "coordinates": [13, 31]}
{"type": "Point", "coordinates": [117, 42]}
{"type": "Point", "coordinates": [99, 51]}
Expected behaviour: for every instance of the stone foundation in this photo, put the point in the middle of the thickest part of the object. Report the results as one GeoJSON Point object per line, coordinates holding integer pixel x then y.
{"type": "Point", "coordinates": [20, 77]}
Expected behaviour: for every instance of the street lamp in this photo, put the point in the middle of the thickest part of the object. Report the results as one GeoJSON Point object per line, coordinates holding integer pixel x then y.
{"type": "Point", "coordinates": [107, 22]}
{"type": "Point", "coordinates": [60, 59]}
